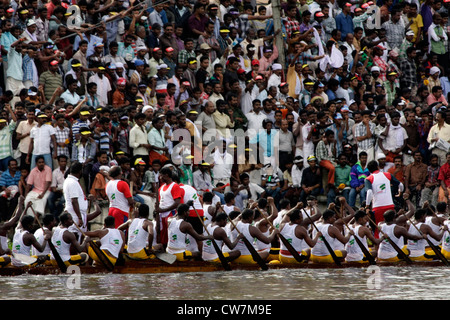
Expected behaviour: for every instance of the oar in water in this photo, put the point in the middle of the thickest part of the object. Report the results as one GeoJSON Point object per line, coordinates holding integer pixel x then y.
{"type": "Point", "coordinates": [402, 255]}
{"type": "Point", "coordinates": [225, 263]}
{"type": "Point", "coordinates": [431, 244]}
{"type": "Point", "coordinates": [61, 265]}
{"type": "Point", "coordinates": [366, 252]}
{"type": "Point", "coordinates": [100, 254]}
{"type": "Point", "coordinates": [330, 250]}
{"type": "Point", "coordinates": [253, 252]}
{"type": "Point", "coordinates": [285, 241]}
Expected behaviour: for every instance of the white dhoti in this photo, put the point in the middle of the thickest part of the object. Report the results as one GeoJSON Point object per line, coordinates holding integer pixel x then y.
{"type": "Point", "coordinates": [37, 204]}
{"type": "Point", "coordinates": [14, 85]}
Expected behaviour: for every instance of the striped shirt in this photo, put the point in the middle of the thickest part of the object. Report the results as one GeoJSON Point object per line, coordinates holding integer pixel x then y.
{"type": "Point", "coordinates": [7, 180]}
{"type": "Point", "coordinates": [361, 131]}
{"type": "Point", "coordinates": [61, 136]}
{"type": "Point", "coordinates": [5, 140]}
{"type": "Point", "coordinates": [50, 81]}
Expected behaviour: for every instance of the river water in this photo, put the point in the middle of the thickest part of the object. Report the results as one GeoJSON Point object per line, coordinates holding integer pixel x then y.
{"type": "Point", "coordinates": [373, 283]}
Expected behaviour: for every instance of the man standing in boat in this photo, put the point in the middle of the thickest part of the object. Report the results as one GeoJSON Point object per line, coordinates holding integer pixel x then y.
{"type": "Point", "coordinates": [76, 202]}
{"type": "Point", "coordinates": [119, 196]}
{"type": "Point", "coordinates": [378, 186]}
{"type": "Point", "coordinates": [169, 198]}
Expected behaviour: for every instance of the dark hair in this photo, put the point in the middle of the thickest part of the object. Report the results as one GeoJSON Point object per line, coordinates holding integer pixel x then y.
{"type": "Point", "coordinates": [372, 166]}
{"type": "Point", "coordinates": [247, 213]}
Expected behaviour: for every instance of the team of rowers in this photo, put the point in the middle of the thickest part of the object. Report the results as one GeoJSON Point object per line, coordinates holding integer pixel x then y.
{"type": "Point", "coordinates": [308, 231]}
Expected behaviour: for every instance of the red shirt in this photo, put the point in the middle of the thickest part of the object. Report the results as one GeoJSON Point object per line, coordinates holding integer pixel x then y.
{"type": "Point", "coordinates": [444, 174]}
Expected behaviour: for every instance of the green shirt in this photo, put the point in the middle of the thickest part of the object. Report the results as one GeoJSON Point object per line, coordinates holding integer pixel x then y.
{"type": "Point", "coordinates": [438, 47]}
{"type": "Point", "coordinates": [342, 175]}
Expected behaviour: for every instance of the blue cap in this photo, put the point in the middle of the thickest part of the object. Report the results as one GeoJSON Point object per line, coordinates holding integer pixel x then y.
{"type": "Point", "coordinates": [138, 62]}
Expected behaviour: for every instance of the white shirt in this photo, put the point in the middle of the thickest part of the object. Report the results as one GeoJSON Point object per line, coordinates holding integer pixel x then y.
{"type": "Point", "coordinates": [103, 87]}
{"type": "Point", "coordinates": [222, 165]}
{"type": "Point", "coordinates": [72, 189]}
{"type": "Point", "coordinates": [255, 120]}
{"type": "Point", "coordinates": [42, 139]}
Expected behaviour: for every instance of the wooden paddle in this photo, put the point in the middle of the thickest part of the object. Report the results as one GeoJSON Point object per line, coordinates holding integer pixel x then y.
{"type": "Point", "coordinates": [403, 255]}
{"type": "Point", "coordinates": [330, 250]}
{"type": "Point", "coordinates": [366, 252]}
{"type": "Point", "coordinates": [100, 254]}
{"type": "Point", "coordinates": [61, 265]}
{"type": "Point", "coordinates": [223, 260]}
{"type": "Point", "coordinates": [433, 247]}
{"type": "Point", "coordinates": [253, 252]}
{"type": "Point", "coordinates": [285, 241]}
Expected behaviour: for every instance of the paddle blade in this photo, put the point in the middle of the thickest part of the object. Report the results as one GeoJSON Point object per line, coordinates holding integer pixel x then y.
{"type": "Point", "coordinates": [21, 260]}
{"type": "Point", "coordinates": [166, 257]}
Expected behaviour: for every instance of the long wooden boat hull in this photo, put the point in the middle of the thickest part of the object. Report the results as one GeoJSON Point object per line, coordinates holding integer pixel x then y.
{"type": "Point", "coordinates": [154, 266]}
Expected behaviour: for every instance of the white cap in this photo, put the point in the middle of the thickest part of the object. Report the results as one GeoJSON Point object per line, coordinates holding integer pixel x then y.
{"type": "Point", "coordinates": [380, 155]}
{"type": "Point", "coordinates": [434, 70]}
{"type": "Point", "coordinates": [276, 66]}
{"type": "Point", "coordinates": [147, 107]}
{"type": "Point", "coordinates": [375, 68]}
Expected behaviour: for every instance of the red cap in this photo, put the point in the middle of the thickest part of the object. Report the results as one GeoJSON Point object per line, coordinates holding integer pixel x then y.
{"type": "Point", "coordinates": [54, 62]}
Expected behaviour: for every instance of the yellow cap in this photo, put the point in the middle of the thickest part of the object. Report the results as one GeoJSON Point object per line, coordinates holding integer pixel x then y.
{"type": "Point", "coordinates": [139, 161]}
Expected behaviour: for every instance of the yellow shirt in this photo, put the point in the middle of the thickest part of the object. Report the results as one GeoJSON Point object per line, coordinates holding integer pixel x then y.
{"type": "Point", "coordinates": [417, 23]}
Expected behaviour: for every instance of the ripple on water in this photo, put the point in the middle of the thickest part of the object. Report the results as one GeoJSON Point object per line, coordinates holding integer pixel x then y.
{"type": "Point", "coordinates": [304, 284]}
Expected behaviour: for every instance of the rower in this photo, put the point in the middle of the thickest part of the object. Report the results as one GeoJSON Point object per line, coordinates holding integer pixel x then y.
{"type": "Point", "coordinates": [435, 221]}
{"type": "Point", "coordinates": [24, 239]}
{"type": "Point", "coordinates": [48, 222]}
{"type": "Point", "coordinates": [178, 229]}
{"type": "Point", "coordinates": [360, 229]}
{"type": "Point", "coordinates": [418, 248]}
{"type": "Point", "coordinates": [5, 252]}
{"type": "Point", "coordinates": [216, 229]}
{"type": "Point", "coordinates": [298, 237]}
{"type": "Point", "coordinates": [394, 228]}
{"type": "Point", "coordinates": [209, 209]}
{"type": "Point", "coordinates": [332, 234]}
{"type": "Point", "coordinates": [63, 240]}
{"type": "Point", "coordinates": [285, 207]}
{"type": "Point", "coordinates": [263, 225]}
{"type": "Point", "coordinates": [230, 199]}
{"type": "Point", "coordinates": [140, 234]}
{"type": "Point", "coordinates": [244, 226]}
{"type": "Point", "coordinates": [112, 241]}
